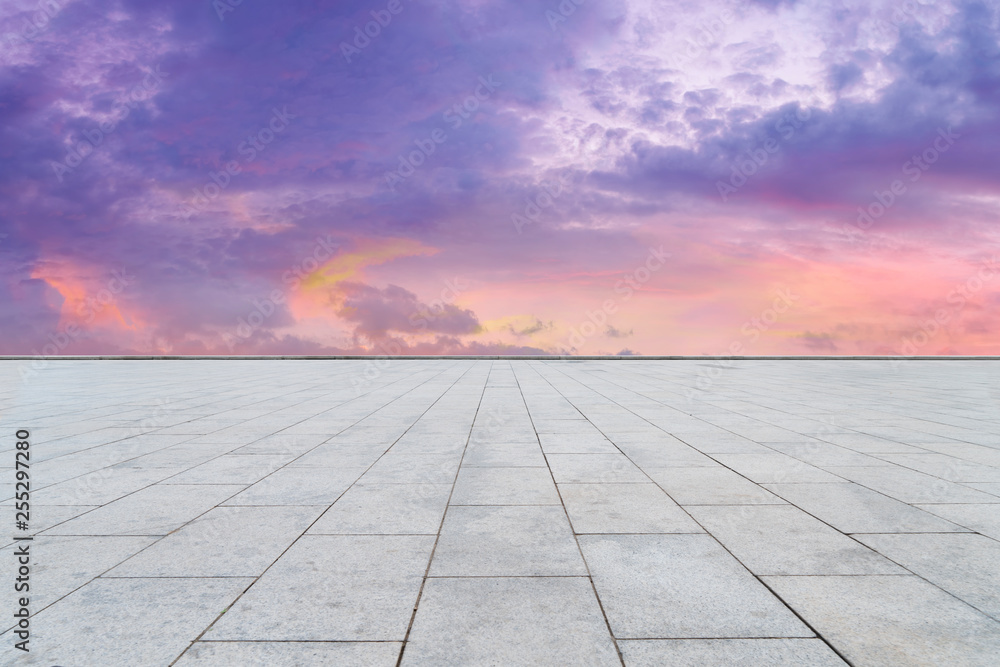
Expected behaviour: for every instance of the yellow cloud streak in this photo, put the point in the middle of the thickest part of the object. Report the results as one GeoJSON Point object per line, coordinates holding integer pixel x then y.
{"type": "Point", "coordinates": [368, 252]}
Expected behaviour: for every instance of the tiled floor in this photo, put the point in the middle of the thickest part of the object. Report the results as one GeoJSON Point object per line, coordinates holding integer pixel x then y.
{"type": "Point", "coordinates": [485, 512]}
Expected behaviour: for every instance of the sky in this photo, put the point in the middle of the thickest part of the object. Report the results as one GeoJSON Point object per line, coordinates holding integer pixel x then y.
{"type": "Point", "coordinates": [747, 177]}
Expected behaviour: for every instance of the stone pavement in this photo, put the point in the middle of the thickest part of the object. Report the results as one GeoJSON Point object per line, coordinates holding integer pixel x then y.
{"type": "Point", "coordinates": [485, 512]}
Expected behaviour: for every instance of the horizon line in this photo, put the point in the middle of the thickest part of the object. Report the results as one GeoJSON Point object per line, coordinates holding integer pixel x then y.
{"type": "Point", "coordinates": [494, 357]}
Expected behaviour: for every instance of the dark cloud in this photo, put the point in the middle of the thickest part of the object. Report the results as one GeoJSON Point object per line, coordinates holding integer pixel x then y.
{"type": "Point", "coordinates": [349, 122]}
{"type": "Point", "coordinates": [821, 343]}
{"type": "Point", "coordinates": [612, 332]}
{"type": "Point", "coordinates": [376, 312]}
{"type": "Point", "coordinates": [527, 330]}
{"type": "Point", "coordinates": [836, 157]}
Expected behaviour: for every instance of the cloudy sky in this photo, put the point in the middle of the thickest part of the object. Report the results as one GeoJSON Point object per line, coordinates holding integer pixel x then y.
{"type": "Point", "coordinates": [486, 176]}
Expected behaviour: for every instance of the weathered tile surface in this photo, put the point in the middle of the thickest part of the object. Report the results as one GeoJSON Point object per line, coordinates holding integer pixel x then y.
{"type": "Point", "coordinates": [782, 539]}
{"type": "Point", "coordinates": [292, 654]}
{"type": "Point", "coordinates": [728, 652]}
{"type": "Point", "coordinates": [892, 620]}
{"type": "Point", "coordinates": [624, 508]}
{"type": "Point", "coordinates": [510, 621]}
{"type": "Point", "coordinates": [333, 588]}
{"type": "Point", "coordinates": [508, 512]}
{"type": "Point", "coordinates": [511, 541]}
{"type": "Point", "coordinates": [681, 586]}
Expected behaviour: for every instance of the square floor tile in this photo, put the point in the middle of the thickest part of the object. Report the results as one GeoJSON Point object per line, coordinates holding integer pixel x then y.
{"type": "Point", "coordinates": [855, 509]}
{"type": "Point", "coordinates": [356, 588]}
{"type": "Point", "coordinates": [729, 653]}
{"type": "Point", "coordinates": [964, 564]}
{"type": "Point", "coordinates": [507, 541]}
{"type": "Point", "coordinates": [292, 654]}
{"type": "Point", "coordinates": [681, 586]}
{"type": "Point", "coordinates": [782, 539]}
{"type": "Point", "coordinates": [128, 621]}
{"type": "Point", "coordinates": [386, 509]}
{"type": "Point", "coordinates": [223, 542]}
{"type": "Point", "coordinates": [504, 486]}
{"type": "Point", "coordinates": [299, 486]}
{"type": "Point", "coordinates": [624, 508]}
{"type": "Point", "coordinates": [509, 621]}
{"type": "Point", "coordinates": [155, 510]}
{"type": "Point", "coordinates": [594, 468]}
{"type": "Point", "coordinates": [711, 486]}
{"type": "Point", "coordinates": [892, 620]}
